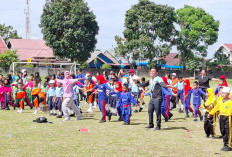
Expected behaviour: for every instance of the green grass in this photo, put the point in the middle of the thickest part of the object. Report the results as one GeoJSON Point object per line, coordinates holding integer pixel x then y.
{"type": "Point", "coordinates": [19, 136]}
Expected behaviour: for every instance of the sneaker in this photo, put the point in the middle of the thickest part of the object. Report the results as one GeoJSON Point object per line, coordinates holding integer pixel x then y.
{"type": "Point", "coordinates": [226, 148]}
{"type": "Point", "coordinates": [90, 111]}
{"type": "Point", "coordinates": [195, 119]}
{"type": "Point", "coordinates": [79, 117]}
{"type": "Point", "coordinates": [149, 127]}
{"type": "Point", "coordinates": [36, 111]}
{"type": "Point", "coordinates": [54, 114]}
{"type": "Point", "coordinates": [170, 116]}
{"type": "Point", "coordinates": [125, 123]}
{"type": "Point", "coordinates": [136, 111]}
{"type": "Point", "coordinates": [102, 121]}
{"type": "Point", "coordinates": [109, 117]}
{"type": "Point", "coordinates": [166, 119]}
{"type": "Point", "coordinates": [59, 116]}
{"type": "Point", "coordinates": [66, 119]}
{"type": "Point", "coordinates": [20, 111]}
{"type": "Point", "coordinates": [157, 128]}
{"type": "Point", "coordinates": [187, 116]}
{"type": "Point", "coordinates": [212, 137]}
{"type": "Point", "coordinates": [180, 111]}
{"type": "Point", "coordinates": [201, 118]}
{"type": "Point", "coordinates": [120, 119]}
{"type": "Point", "coordinates": [72, 115]}
{"type": "Point", "coordinates": [140, 109]}
{"type": "Point", "coordinates": [51, 114]}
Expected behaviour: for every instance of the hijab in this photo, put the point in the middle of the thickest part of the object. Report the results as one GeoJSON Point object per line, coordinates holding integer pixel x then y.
{"type": "Point", "coordinates": [101, 79]}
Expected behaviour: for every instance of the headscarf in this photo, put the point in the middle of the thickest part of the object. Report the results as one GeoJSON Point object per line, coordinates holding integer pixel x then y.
{"type": "Point", "coordinates": [187, 87]}
{"type": "Point", "coordinates": [165, 80]}
{"type": "Point", "coordinates": [101, 79]}
{"type": "Point", "coordinates": [120, 86]}
{"type": "Point", "coordinates": [66, 80]}
{"type": "Point", "coordinates": [224, 80]}
{"type": "Point", "coordinates": [211, 97]}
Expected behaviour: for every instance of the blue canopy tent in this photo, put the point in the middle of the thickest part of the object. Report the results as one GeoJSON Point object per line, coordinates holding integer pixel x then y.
{"type": "Point", "coordinates": [172, 66]}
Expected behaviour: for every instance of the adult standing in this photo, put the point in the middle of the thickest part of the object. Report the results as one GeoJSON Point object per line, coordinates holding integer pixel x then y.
{"type": "Point", "coordinates": [156, 83]}
{"type": "Point", "coordinates": [68, 95]}
{"type": "Point", "coordinates": [81, 78]}
{"type": "Point", "coordinates": [132, 77]}
{"type": "Point", "coordinates": [203, 80]}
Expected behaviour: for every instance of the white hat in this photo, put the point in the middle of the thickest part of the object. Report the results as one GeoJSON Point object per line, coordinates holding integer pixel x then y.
{"type": "Point", "coordinates": [226, 90]}
{"type": "Point", "coordinates": [23, 70]}
{"type": "Point", "coordinates": [52, 81]}
{"type": "Point", "coordinates": [173, 74]}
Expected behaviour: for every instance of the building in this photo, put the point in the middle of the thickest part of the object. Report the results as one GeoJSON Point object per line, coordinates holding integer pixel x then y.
{"type": "Point", "coordinates": [3, 46]}
{"type": "Point", "coordinates": [35, 49]}
{"type": "Point", "coordinates": [225, 49]}
{"type": "Point", "coordinates": [98, 58]}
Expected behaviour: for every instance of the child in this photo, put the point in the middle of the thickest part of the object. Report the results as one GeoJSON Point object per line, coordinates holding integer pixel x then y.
{"type": "Point", "coordinates": [76, 97]}
{"type": "Point", "coordinates": [112, 98]}
{"type": "Point", "coordinates": [19, 98]}
{"type": "Point", "coordinates": [197, 92]}
{"type": "Point", "coordinates": [57, 99]}
{"type": "Point", "coordinates": [142, 94]}
{"type": "Point", "coordinates": [7, 94]}
{"type": "Point", "coordinates": [209, 123]}
{"type": "Point", "coordinates": [2, 99]}
{"type": "Point", "coordinates": [180, 93]}
{"type": "Point", "coordinates": [50, 95]}
{"type": "Point", "coordinates": [125, 100]}
{"type": "Point", "coordinates": [221, 82]}
{"type": "Point", "coordinates": [102, 86]}
{"type": "Point", "coordinates": [68, 84]}
{"type": "Point", "coordinates": [135, 90]}
{"type": "Point", "coordinates": [90, 95]}
{"type": "Point", "coordinates": [165, 106]}
{"type": "Point", "coordinates": [187, 97]}
{"type": "Point", "coordinates": [225, 109]}
{"type": "Point", "coordinates": [35, 98]}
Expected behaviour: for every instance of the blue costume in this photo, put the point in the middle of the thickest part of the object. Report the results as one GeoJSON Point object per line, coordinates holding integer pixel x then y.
{"type": "Point", "coordinates": [51, 94]}
{"type": "Point", "coordinates": [196, 100]}
{"type": "Point", "coordinates": [102, 96]}
{"type": "Point", "coordinates": [125, 101]}
{"type": "Point", "coordinates": [166, 95]}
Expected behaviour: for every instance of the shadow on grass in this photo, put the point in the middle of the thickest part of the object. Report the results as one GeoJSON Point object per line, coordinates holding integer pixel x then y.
{"type": "Point", "coordinates": [176, 128]}
{"type": "Point", "coordinates": [138, 123]}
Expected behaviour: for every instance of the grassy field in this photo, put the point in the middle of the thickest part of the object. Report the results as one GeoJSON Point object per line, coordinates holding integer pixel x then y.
{"type": "Point", "coordinates": [19, 136]}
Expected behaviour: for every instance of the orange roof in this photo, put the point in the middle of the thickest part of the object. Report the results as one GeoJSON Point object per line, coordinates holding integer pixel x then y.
{"type": "Point", "coordinates": [31, 48]}
{"type": "Point", "coordinates": [3, 47]}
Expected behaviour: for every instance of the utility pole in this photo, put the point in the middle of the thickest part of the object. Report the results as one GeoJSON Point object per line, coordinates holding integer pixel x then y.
{"type": "Point", "coordinates": [28, 25]}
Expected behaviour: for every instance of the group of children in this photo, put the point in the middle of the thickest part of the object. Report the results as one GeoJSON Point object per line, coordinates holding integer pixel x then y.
{"type": "Point", "coordinates": [115, 97]}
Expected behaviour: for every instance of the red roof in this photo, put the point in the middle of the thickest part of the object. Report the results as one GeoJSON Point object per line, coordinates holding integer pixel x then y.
{"type": "Point", "coordinates": [31, 48]}
{"type": "Point", "coordinates": [229, 46]}
{"type": "Point", "coordinates": [3, 47]}
{"type": "Point", "coordinates": [172, 59]}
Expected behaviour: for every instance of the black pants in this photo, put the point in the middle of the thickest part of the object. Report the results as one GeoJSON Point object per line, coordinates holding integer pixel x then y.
{"type": "Point", "coordinates": [208, 125]}
{"type": "Point", "coordinates": [224, 126]}
{"type": "Point", "coordinates": [155, 105]}
{"type": "Point", "coordinates": [173, 100]}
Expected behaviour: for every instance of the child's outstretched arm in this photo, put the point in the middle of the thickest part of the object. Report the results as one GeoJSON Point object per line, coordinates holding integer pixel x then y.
{"type": "Point", "coordinates": [132, 100]}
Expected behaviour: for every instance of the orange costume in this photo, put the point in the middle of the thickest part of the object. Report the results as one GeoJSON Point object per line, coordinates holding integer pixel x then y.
{"type": "Point", "coordinates": [90, 96]}
{"type": "Point", "coordinates": [35, 96]}
{"type": "Point", "coordinates": [20, 96]}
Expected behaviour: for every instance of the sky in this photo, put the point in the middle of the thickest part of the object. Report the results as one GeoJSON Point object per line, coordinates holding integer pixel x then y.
{"type": "Point", "coordinates": [110, 15]}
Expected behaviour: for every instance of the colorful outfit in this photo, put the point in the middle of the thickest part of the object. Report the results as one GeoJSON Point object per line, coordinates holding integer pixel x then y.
{"type": "Point", "coordinates": [7, 96]}
{"type": "Point", "coordinates": [51, 94]}
{"type": "Point", "coordinates": [102, 96]}
{"type": "Point", "coordinates": [196, 100]}
{"type": "Point", "coordinates": [187, 97]}
{"type": "Point", "coordinates": [59, 96]}
{"type": "Point", "coordinates": [35, 96]}
{"type": "Point", "coordinates": [125, 100]}
{"type": "Point", "coordinates": [209, 123]}
{"type": "Point", "coordinates": [2, 95]}
{"type": "Point", "coordinates": [76, 98]}
{"type": "Point", "coordinates": [19, 98]}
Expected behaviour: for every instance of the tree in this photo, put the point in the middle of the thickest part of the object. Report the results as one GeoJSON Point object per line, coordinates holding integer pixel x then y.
{"type": "Point", "coordinates": [106, 66]}
{"type": "Point", "coordinates": [70, 28]}
{"type": "Point", "coordinates": [148, 27]}
{"type": "Point", "coordinates": [197, 30]}
{"type": "Point", "coordinates": [7, 32]}
{"type": "Point", "coordinates": [7, 58]}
